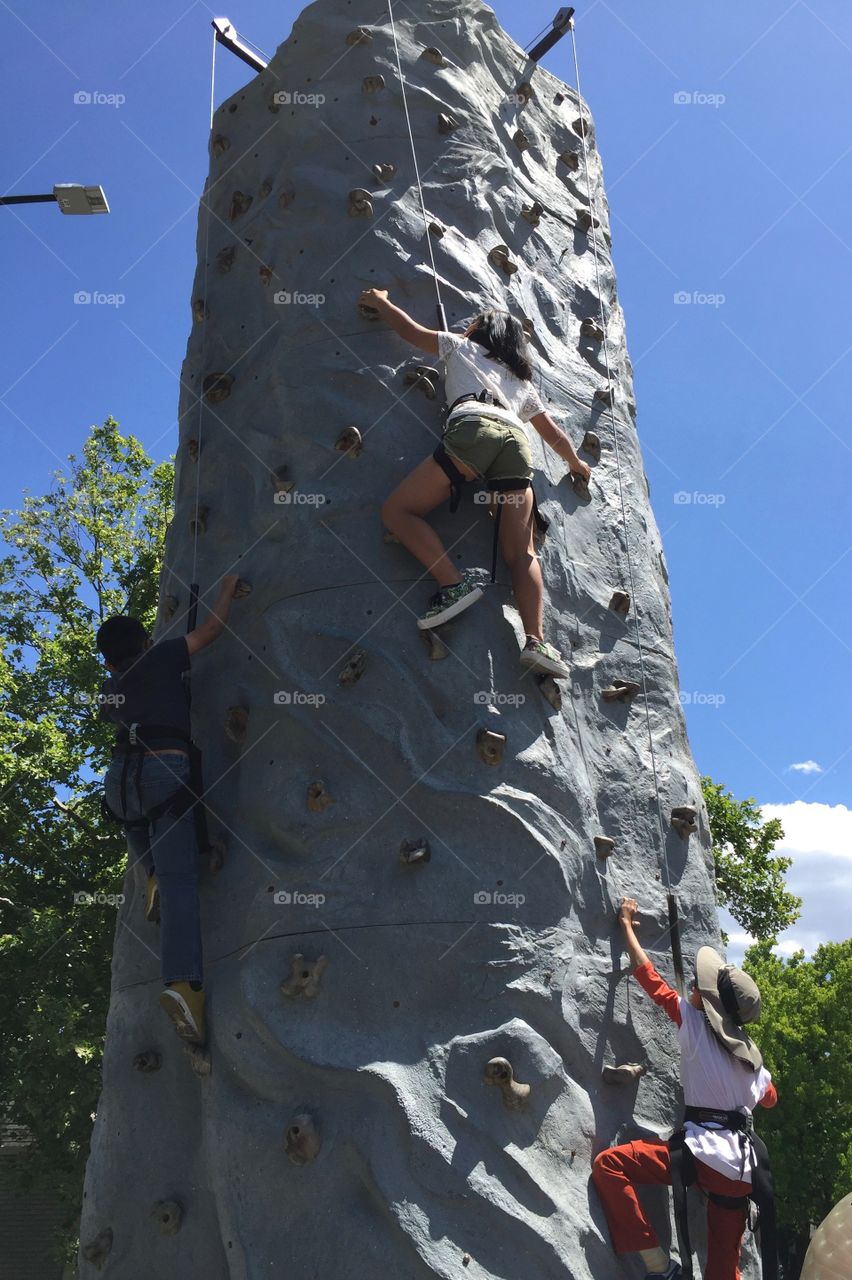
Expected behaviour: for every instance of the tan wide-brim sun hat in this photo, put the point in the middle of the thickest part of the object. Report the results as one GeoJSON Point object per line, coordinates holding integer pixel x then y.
{"type": "Point", "coordinates": [730, 999]}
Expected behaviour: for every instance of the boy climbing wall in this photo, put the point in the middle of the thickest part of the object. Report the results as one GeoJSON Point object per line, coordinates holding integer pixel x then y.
{"type": "Point", "coordinates": [150, 787]}
{"type": "Point", "coordinates": [722, 1072]}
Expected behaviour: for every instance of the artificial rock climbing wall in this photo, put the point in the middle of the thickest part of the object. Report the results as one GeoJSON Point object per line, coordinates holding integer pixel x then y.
{"type": "Point", "coordinates": [400, 900]}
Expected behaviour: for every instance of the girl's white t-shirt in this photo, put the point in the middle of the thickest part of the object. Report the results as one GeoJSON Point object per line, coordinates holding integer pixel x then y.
{"type": "Point", "coordinates": [469, 370]}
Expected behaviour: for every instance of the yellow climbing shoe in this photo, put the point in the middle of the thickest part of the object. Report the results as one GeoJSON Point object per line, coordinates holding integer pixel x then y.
{"type": "Point", "coordinates": [185, 1007]}
{"type": "Point", "coordinates": [152, 899]}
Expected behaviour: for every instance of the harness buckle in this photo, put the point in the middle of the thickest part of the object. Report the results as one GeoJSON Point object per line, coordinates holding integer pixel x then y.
{"type": "Point", "coordinates": [131, 734]}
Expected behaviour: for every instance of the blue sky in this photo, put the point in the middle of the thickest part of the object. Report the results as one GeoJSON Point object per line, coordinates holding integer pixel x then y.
{"type": "Point", "coordinates": [728, 164]}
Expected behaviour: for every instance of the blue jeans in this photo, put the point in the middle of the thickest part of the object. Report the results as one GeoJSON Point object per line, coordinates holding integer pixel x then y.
{"type": "Point", "coordinates": [168, 847]}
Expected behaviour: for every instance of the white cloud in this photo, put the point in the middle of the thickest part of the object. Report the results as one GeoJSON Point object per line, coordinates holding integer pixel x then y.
{"type": "Point", "coordinates": [806, 766]}
{"type": "Point", "coordinates": [818, 837]}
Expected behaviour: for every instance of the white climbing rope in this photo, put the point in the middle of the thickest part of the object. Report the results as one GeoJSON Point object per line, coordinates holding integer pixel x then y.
{"type": "Point", "coordinates": [664, 861]}
{"type": "Point", "coordinates": [199, 390]}
{"type": "Point", "coordinates": [416, 165]}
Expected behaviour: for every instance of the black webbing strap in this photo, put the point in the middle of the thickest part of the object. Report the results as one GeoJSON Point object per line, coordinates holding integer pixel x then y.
{"type": "Point", "coordinates": [136, 740]}
{"type": "Point", "coordinates": [512, 486]}
{"type": "Point", "coordinates": [452, 473]}
{"type": "Point", "coordinates": [685, 1173]}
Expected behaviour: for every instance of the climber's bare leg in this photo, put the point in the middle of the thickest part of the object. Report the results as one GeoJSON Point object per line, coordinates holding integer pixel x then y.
{"type": "Point", "coordinates": [424, 489]}
{"type": "Point", "coordinates": [517, 547]}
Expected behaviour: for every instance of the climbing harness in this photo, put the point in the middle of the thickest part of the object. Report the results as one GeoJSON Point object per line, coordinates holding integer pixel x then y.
{"type": "Point", "coordinates": [139, 740]}
{"type": "Point", "coordinates": [685, 1173]}
{"type": "Point", "coordinates": [674, 919]}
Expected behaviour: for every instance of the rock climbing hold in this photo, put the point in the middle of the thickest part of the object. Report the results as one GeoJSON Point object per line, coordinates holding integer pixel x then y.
{"type": "Point", "coordinates": [550, 690]}
{"type": "Point", "coordinates": [199, 1059]}
{"type": "Point", "coordinates": [368, 312]}
{"type": "Point", "coordinates": [199, 310]}
{"type": "Point", "coordinates": [425, 379]}
{"type": "Point", "coordinates": [627, 1073]}
{"type": "Point", "coordinates": [236, 723]}
{"type": "Point", "coordinates": [265, 274]}
{"type": "Point", "coordinates": [217, 387]}
{"type": "Point", "coordinates": [318, 798]}
{"type": "Point", "coordinates": [302, 1139]}
{"type": "Point", "coordinates": [437, 649]}
{"type": "Point", "coordinates": [590, 328]}
{"type": "Point", "coordinates": [242, 589]}
{"type": "Point", "coordinates": [604, 846]}
{"type": "Point", "coordinates": [198, 522]}
{"type": "Point", "coordinates": [591, 445]}
{"type": "Point", "coordinates": [360, 203]}
{"type": "Point", "coordinates": [580, 485]}
{"type": "Point", "coordinates": [349, 441]}
{"type": "Point", "coordinates": [621, 691]}
{"type": "Point", "coordinates": [528, 326]}
{"type": "Point", "coordinates": [605, 395]}
{"type": "Point", "coordinates": [490, 746]}
{"type": "Point", "coordinates": [97, 1250]}
{"type": "Point", "coordinates": [361, 35]}
{"type": "Point", "coordinates": [168, 1215]}
{"type": "Point", "coordinates": [447, 123]}
{"type": "Point", "coordinates": [533, 213]}
{"type": "Point", "coordinates": [500, 1073]}
{"type": "Point", "coordinates": [558, 99]}
{"type": "Point", "coordinates": [571, 160]}
{"type": "Point", "coordinates": [521, 140]}
{"type": "Point", "coordinates": [391, 539]}
{"type": "Point", "coordinates": [193, 448]}
{"type": "Point", "coordinates": [373, 84]}
{"type": "Point", "coordinates": [620, 603]}
{"type": "Point", "coordinates": [305, 977]}
{"type": "Point", "coordinates": [220, 144]}
{"type": "Point", "coordinates": [170, 606]}
{"type": "Point", "coordinates": [525, 92]}
{"type": "Point", "coordinates": [281, 481]}
{"type": "Point", "coordinates": [499, 258]}
{"type": "Point", "coordinates": [437, 230]}
{"type": "Point", "coordinates": [265, 188]}
{"type": "Point", "coordinates": [581, 126]}
{"type": "Point", "coordinates": [465, 1259]}
{"type": "Point", "coordinates": [354, 669]}
{"type": "Point", "coordinates": [240, 204]}
{"type": "Point", "coordinates": [216, 854]}
{"type": "Point", "coordinates": [435, 56]}
{"type": "Point", "coordinates": [384, 172]}
{"type": "Point", "coordinates": [286, 198]}
{"type": "Point", "coordinates": [225, 258]}
{"type": "Point", "coordinates": [413, 852]}
{"type": "Point", "coordinates": [587, 220]}
{"type": "Point", "coordinates": [148, 1061]}
{"type": "Point", "coordinates": [684, 820]}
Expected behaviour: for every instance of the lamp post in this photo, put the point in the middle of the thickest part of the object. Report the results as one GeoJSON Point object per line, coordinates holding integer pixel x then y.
{"type": "Point", "coordinates": [70, 196]}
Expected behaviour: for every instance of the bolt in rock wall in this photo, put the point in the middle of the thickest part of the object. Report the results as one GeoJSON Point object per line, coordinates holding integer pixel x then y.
{"type": "Point", "coordinates": [414, 985]}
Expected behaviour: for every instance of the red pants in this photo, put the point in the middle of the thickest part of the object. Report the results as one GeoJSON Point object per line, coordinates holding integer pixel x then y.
{"type": "Point", "coordinates": [619, 1170]}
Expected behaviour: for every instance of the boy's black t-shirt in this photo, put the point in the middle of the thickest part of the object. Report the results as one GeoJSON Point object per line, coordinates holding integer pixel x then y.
{"type": "Point", "coordinates": [151, 690]}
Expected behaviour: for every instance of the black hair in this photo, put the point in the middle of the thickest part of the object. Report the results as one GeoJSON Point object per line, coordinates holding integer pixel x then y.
{"type": "Point", "coordinates": [505, 340]}
{"type": "Point", "coordinates": [121, 639]}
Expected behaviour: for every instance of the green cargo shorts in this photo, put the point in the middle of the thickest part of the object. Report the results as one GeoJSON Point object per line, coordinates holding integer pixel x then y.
{"type": "Point", "coordinates": [494, 449]}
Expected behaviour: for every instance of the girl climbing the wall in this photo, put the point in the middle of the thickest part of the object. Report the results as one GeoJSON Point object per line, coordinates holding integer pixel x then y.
{"type": "Point", "coordinates": [488, 377]}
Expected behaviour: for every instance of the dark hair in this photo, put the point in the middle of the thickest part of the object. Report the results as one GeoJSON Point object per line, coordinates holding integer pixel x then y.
{"type": "Point", "coordinates": [120, 639]}
{"type": "Point", "coordinates": [505, 340]}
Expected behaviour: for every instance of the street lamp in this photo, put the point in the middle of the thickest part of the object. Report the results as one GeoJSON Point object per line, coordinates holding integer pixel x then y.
{"type": "Point", "coordinates": [70, 196]}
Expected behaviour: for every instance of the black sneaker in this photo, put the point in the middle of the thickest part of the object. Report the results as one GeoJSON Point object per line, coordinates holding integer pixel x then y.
{"type": "Point", "coordinates": [451, 601]}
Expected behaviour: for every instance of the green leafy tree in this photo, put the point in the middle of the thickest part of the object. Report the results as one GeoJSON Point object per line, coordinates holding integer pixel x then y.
{"type": "Point", "coordinates": [90, 547]}
{"type": "Point", "coordinates": [749, 876]}
{"type": "Point", "coordinates": [805, 1034]}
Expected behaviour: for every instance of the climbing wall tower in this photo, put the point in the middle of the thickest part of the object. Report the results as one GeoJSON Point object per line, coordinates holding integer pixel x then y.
{"type": "Point", "coordinates": [416, 995]}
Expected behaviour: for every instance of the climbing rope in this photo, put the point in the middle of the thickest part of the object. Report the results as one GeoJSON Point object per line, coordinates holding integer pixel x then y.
{"type": "Point", "coordinates": [192, 614]}
{"type": "Point", "coordinates": [442, 315]}
{"type": "Point", "coordinates": [674, 923]}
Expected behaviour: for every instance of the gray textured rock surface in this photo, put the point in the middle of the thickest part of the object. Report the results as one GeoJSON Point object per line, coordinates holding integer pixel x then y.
{"type": "Point", "coordinates": [346, 1127]}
